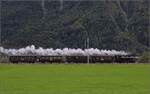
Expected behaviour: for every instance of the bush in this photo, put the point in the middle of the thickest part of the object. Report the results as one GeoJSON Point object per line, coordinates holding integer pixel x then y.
{"type": "Point", "coordinates": [145, 58]}
{"type": "Point", "coordinates": [4, 60]}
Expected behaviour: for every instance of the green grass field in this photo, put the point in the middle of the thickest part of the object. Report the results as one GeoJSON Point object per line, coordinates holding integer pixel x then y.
{"type": "Point", "coordinates": [75, 79]}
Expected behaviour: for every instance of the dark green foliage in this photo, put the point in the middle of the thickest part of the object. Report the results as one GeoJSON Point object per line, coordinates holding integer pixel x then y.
{"type": "Point", "coordinates": [4, 60]}
{"type": "Point", "coordinates": [120, 25]}
{"type": "Point", "coordinates": [145, 58]}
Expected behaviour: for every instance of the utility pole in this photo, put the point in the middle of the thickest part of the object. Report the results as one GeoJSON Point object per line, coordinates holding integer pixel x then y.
{"type": "Point", "coordinates": [43, 9]}
{"type": "Point", "coordinates": [88, 57]}
{"type": "Point", "coordinates": [0, 24]}
{"type": "Point", "coordinates": [87, 42]}
{"type": "Point", "coordinates": [61, 5]}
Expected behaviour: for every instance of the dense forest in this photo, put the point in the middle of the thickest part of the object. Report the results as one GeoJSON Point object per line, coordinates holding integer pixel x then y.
{"type": "Point", "coordinates": [120, 25]}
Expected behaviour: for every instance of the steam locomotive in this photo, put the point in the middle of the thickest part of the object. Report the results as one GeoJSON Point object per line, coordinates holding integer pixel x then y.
{"type": "Point", "coordinates": [74, 59]}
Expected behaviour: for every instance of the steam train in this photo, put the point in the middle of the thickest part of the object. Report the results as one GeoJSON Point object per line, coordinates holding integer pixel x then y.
{"type": "Point", "coordinates": [74, 59]}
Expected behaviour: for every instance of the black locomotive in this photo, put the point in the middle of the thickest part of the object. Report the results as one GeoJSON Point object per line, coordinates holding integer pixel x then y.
{"type": "Point", "coordinates": [74, 59]}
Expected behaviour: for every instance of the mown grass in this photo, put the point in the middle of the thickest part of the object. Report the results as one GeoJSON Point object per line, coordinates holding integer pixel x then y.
{"type": "Point", "coordinates": [74, 79]}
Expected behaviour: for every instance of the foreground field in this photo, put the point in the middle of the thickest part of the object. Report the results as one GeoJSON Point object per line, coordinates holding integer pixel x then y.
{"type": "Point", "coordinates": [75, 79]}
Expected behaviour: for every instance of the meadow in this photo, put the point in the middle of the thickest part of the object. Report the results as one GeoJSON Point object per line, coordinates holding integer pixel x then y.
{"type": "Point", "coordinates": [74, 78]}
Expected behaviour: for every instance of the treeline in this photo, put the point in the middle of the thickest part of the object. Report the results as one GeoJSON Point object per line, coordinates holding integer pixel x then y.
{"type": "Point", "coordinates": [120, 25]}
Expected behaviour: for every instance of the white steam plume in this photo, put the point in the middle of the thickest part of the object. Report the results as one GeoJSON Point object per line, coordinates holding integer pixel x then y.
{"type": "Point", "coordinates": [31, 50]}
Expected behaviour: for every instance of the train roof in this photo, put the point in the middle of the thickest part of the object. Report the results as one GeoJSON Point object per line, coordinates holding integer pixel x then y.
{"type": "Point", "coordinates": [74, 55]}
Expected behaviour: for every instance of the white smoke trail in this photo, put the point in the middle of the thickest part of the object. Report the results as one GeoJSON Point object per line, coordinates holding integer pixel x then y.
{"type": "Point", "coordinates": [31, 50]}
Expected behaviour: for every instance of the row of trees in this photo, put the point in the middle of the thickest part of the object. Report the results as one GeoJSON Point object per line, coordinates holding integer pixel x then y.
{"type": "Point", "coordinates": [120, 25]}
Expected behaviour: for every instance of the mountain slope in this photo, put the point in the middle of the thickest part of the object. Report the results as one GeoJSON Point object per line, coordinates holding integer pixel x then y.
{"type": "Point", "coordinates": [121, 25]}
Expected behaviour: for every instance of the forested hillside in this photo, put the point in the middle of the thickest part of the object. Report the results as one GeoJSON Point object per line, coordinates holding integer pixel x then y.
{"type": "Point", "coordinates": [120, 25]}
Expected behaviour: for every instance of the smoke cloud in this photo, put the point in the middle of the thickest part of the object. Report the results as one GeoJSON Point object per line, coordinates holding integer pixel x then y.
{"type": "Point", "coordinates": [31, 50]}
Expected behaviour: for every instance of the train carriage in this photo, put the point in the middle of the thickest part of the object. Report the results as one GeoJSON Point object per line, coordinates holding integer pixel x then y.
{"type": "Point", "coordinates": [76, 59]}
{"type": "Point", "coordinates": [51, 59]}
{"type": "Point", "coordinates": [23, 59]}
{"type": "Point", "coordinates": [101, 59]}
